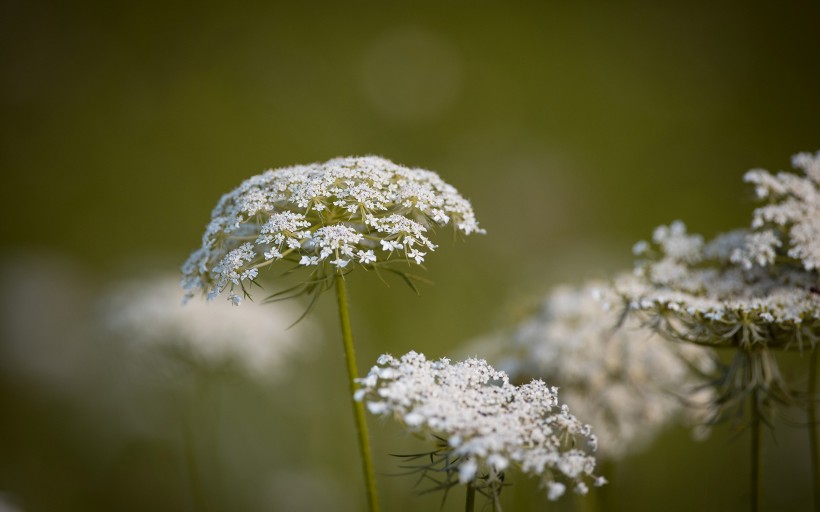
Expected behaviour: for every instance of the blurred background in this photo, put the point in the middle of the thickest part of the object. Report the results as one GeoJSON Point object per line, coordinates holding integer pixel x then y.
{"type": "Point", "coordinates": [574, 129]}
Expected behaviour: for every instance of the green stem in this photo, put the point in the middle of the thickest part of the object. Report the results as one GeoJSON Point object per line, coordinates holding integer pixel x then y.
{"type": "Point", "coordinates": [814, 440]}
{"type": "Point", "coordinates": [358, 408]}
{"type": "Point", "coordinates": [469, 505]}
{"type": "Point", "coordinates": [756, 453]}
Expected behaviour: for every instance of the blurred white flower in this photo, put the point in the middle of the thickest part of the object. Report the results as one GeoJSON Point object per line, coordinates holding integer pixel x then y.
{"type": "Point", "coordinates": [486, 423]}
{"type": "Point", "coordinates": [347, 212]}
{"type": "Point", "coordinates": [625, 380]}
{"type": "Point", "coordinates": [149, 312]}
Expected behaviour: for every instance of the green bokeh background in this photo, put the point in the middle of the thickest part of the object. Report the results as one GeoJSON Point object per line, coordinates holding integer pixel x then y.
{"type": "Point", "coordinates": [574, 128]}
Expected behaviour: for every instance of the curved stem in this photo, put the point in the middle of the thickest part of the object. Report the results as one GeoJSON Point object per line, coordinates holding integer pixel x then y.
{"type": "Point", "coordinates": [358, 408]}
{"type": "Point", "coordinates": [756, 453]}
{"type": "Point", "coordinates": [469, 504]}
{"type": "Point", "coordinates": [814, 437]}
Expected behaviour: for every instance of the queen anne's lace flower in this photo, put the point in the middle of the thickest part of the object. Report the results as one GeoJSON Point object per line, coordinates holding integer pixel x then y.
{"type": "Point", "coordinates": [489, 425]}
{"type": "Point", "coordinates": [347, 212]}
{"type": "Point", "coordinates": [626, 380]}
{"type": "Point", "coordinates": [752, 290]}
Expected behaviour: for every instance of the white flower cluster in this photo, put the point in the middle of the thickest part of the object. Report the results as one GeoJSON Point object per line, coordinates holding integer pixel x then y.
{"type": "Point", "coordinates": [148, 313]}
{"type": "Point", "coordinates": [625, 380]}
{"type": "Point", "coordinates": [793, 209]}
{"type": "Point", "coordinates": [715, 294]}
{"type": "Point", "coordinates": [344, 212]}
{"type": "Point", "coordinates": [490, 425]}
{"type": "Point", "coordinates": [751, 290]}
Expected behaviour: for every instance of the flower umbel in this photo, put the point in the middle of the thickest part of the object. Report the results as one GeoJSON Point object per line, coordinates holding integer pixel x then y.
{"type": "Point", "coordinates": [484, 425]}
{"type": "Point", "coordinates": [751, 290]}
{"type": "Point", "coordinates": [329, 218]}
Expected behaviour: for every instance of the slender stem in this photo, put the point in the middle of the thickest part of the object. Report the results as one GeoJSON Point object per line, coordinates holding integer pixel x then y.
{"type": "Point", "coordinates": [756, 453]}
{"type": "Point", "coordinates": [358, 408]}
{"type": "Point", "coordinates": [814, 437]}
{"type": "Point", "coordinates": [469, 505]}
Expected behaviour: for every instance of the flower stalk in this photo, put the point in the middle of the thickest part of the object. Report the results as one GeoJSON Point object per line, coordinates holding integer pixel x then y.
{"type": "Point", "coordinates": [358, 407]}
{"type": "Point", "coordinates": [469, 504]}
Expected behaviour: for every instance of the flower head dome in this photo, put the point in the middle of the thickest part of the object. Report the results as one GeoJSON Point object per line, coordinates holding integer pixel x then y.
{"type": "Point", "coordinates": [487, 425]}
{"type": "Point", "coordinates": [328, 217]}
{"type": "Point", "coordinates": [752, 290]}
